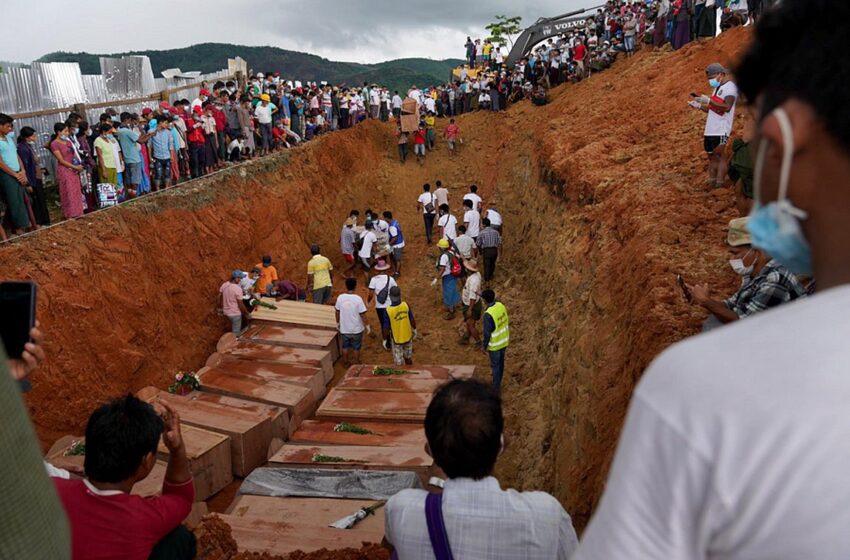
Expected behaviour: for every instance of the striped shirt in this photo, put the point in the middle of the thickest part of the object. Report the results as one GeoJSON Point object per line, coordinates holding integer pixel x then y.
{"type": "Point", "coordinates": [488, 238]}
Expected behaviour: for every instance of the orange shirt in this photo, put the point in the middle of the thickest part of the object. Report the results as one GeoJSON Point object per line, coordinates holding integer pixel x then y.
{"type": "Point", "coordinates": [268, 275]}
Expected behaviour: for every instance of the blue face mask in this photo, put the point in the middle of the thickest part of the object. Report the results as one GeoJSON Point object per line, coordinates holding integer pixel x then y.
{"type": "Point", "coordinates": [775, 226]}
{"type": "Point", "coordinates": [714, 82]}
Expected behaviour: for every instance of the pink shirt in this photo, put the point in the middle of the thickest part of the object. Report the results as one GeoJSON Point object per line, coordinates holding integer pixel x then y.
{"type": "Point", "coordinates": [230, 295]}
{"type": "Point", "coordinates": [451, 131]}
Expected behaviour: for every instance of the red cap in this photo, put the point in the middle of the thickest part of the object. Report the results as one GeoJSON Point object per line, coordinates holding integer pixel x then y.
{"type": "Point", "coordinates": [197, 110]}
{"type": "Point", "coordinates": [204, 91]}
{"type": "Point", "coordinates": [147, 111]}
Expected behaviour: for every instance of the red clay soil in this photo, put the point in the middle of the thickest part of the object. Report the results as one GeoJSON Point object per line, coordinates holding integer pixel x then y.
{"type": "Point", "coordinates": [604, 202]}
{"type": "Point", "coordinates": [216, 543]}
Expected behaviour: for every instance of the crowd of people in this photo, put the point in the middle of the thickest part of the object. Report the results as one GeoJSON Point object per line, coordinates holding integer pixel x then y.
{"type": "Point", "coordinates": [735, 443]}
{"type": "Point", "coordinates": [127, 155]}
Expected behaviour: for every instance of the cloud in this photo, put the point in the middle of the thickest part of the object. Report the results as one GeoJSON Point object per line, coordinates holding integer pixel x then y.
{"type": "Point", "coordinates": [354, 30]}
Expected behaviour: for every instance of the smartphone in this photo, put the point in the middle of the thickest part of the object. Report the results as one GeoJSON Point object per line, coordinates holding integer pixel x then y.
{"type": "Point", "coordinates": [684, 288]}
{"type": "Point", "coordinates": [17, 315]}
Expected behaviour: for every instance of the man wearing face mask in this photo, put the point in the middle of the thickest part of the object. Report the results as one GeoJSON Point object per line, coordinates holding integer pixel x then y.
{"type": "Point", "coordinates": [736, 442]}
{"type": "Point", "coordinates": [764, 282]}
{"type": "Point", "coordinates": [718, 124]}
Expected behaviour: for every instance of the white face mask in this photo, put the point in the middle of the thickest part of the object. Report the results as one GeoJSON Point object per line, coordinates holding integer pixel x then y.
{"type": "Point", "coordinates": [740, 268]}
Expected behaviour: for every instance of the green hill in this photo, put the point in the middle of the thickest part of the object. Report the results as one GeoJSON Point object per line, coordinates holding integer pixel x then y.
{"type": "Point", "coordinates": [210, 57]}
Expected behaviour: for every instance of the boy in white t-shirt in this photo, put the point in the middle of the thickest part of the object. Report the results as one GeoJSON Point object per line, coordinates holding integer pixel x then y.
{"type": "Point", "coordinates": [350, 311]}
{"type": "Point", "coordinates": [447, 223]}
{"type": "Point", "coordinates": [473, 196]}
{"type": "Point", "coordinates": [471, 219]}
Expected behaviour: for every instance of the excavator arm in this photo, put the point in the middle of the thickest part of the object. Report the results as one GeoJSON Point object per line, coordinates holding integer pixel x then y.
{"type": "Point", "coordinates": [544, 28]}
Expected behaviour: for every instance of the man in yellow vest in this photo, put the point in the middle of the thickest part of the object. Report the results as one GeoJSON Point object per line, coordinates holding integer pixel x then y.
{"type": "Point", "coordinates": [402, 326]}
{"type": "Point", "coordinates": [496, 335]}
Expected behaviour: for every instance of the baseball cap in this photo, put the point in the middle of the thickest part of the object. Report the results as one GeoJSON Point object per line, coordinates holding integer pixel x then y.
{"type": "Point", "coordinates": [738, 233]}
{"type": "Point", "coordinates": [238, 274]}
{"type": "Point", "coordinates": [204, 91]}
{"type": "Point", "coordinates": [395, 295]}
{"type": "Point", "coordinates": [714, 69]}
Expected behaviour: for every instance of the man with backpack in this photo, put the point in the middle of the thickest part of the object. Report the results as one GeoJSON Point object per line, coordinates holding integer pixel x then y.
{"type": "Point", "coordinates": [379, 290]}
{"type": "Point", "coordinates": [402, 327]}
{"type": "Point", "coordinates": [449, 269]}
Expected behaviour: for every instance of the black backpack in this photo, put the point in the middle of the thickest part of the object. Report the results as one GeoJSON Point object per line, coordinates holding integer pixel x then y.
{"type": "Point", "coordinates": [385, 291]}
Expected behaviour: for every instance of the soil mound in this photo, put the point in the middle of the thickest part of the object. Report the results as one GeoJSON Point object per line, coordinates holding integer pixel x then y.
{"type": "Point", "coordinates": [604, 203]}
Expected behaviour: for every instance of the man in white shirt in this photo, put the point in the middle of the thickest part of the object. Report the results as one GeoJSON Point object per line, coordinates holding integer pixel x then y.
{"type": "Point", "coordinates": [379, 290]}
{"type": "Point", "coordinates": [718, 124]}
{"type": "Point", "coordinates": [464, 244]}
{"type": "Point", "coordinates": [447, 223]}
{"type": "Point", "coordinates": [473, 196]}
{"type": "Point", "coordinates": [350, 311]}
{"type": "Point", "coordinates": [427, 204]}
{"type": "Point", "coordinates": [464, 426]}
{"type": "Point", "coordinates": [736, 441]}
{"type": "Point", "coordinates": [375, 102]}
{"type": "Point", "coordinates": [471, 219]}
{"type": "Point", "coordinates": [441, 194]}
{"type": "Point", "coordinates": [495, 218]}
{"type": "Point", "coordinates": [430, 104]}
{"type": "Point", "coordinates": [396, 104]}
{"type": "Point", "coordinates": [367, 248]}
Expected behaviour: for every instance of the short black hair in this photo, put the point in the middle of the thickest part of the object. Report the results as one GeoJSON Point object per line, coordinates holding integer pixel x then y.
{"type": "Point", "coordinates": [354, 212]}
{"type": "Point", "coordinates": [388, 215]}
{"type": "Point", "coordinates": [439, 184]}
{"type": "Point", "coordinates": [118, 436]}
{"type": "Point", "coordinates": [473, 188]}
{"type": "Point", "coordinates": [426, 187]}
{"type": "Point", "coordinates": [464, 426]}
{"type": "Point", "coordinates": [486, 222]}
{"type": "Point", "coordinates": [125, 116]}
{"type": "Point", "coordinates": [315, 249]}
{"type": "Point", "coordinates": [6, 119]}
{"type": "Point", "coordinates": [489, 296]}
{"type": "Point", "coordinates": [793, 56]}
{"type": "Point", "coordinates": [104, 117]}
{"type": "Point", "coordinates": [350, 284]}
{"type": "Point", "coordinates": [461, 228]}
{"type": "Point", "coordinates": [105, 127]}
{"type": "Point", "coordinates": [468, 202]}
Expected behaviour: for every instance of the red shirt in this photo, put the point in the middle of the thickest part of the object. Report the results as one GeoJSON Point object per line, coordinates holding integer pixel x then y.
{"type": "Point", "coordinates": [419, 136]}
{"type": "Point", "coordinates": [119, 525]}
{"type": "Point", "coordinates": [452, 131]}
{"type": "Point", "coordinates": [220, 120]}
{"type": "Point", "coordinates": [579, 52]}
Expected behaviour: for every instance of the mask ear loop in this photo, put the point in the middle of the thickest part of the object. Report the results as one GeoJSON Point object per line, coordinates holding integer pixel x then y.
{"type": "Point", "coordinates": [787, 158]}
{"type": "Point", "coordinates": [759, 173]}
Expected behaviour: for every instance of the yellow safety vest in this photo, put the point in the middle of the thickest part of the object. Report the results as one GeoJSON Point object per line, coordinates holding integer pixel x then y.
{"type": "Point", "coordinates": [501, 335]}
{"type": "Point", "coordinates": [400, 323]}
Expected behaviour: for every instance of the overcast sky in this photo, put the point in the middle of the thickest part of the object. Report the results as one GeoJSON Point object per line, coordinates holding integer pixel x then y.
{"type": "Point", "coordinates": [346, 30]}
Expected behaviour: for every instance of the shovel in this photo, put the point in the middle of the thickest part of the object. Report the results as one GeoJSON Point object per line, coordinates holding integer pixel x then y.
{"type": "Point", "coordinates": [350, 521]}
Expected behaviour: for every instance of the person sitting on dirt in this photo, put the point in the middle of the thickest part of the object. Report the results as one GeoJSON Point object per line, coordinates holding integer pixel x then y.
{"type": "Point", "coordinates": [764, 282]}
{"type": "Point", "coordinates": [473, 517]}
{"type": "Point", "coordinates": [107, 521]}
{"type": "Point", "coordinates": [540, 97]}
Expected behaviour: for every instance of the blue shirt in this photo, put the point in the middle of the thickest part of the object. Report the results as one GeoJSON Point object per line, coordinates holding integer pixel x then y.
{"type": "Point", "coordinates": [128, 138]}
{"type": "Point", "coordinates": [162, 142]}
{"type": "Point", "coordinates": [9, 152]}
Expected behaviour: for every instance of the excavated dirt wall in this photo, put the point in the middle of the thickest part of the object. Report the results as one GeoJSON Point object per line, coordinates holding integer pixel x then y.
{"type": "Point", "coordinates": [127, 296]}
{"type": "Point", "coordinates": [604, 200]}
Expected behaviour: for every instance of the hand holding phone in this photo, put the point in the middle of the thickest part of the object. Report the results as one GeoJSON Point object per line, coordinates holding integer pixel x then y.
{"type": "Point", "coordinates": [18, 329]}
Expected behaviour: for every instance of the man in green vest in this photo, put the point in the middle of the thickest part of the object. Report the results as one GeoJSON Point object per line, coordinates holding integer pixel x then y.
{"type": "Point", "coordinates": [496, 335]}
